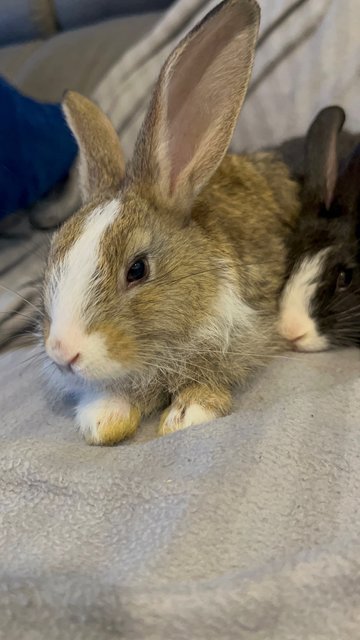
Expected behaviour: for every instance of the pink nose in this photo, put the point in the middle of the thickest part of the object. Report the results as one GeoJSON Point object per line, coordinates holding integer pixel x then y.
{"type": "Point", "coordinates": [294, 328]}
{"type": "Point", "coordinates": [293, 338]}
{"type": "Point", "coordinates": [61, 353]}
{"type": "Point", "coordinates": [293, 334]}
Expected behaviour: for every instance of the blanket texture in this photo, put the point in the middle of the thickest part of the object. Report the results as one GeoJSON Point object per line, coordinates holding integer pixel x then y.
{"type": "Point", "coordinates": [248, 527]}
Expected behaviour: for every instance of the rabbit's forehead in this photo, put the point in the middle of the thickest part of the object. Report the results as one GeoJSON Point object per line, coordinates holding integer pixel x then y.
{"type": "Point", "coordinates": [73, 274]}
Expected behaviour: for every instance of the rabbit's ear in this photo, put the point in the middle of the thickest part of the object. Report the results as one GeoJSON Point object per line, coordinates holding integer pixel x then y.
{"type": "Point", "coordinates": [321, 157]}
{"type": "Point", "coordinates": [101, 161]}
{"type": "Point", "coordinates": [348, 187]}
{"type": "Point", "coordinates": [195, 105]}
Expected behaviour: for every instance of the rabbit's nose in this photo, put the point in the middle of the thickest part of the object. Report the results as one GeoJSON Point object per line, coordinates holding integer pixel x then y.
{"type": "Point", "coordinates": [295, 329]}
{"type": "Point", "coordinates": [292, 331]}
{"type": "Point", "coordinates": [62, 354]}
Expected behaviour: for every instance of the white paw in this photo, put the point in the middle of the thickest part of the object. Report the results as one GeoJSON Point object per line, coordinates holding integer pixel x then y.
{"type": "Point", "coordinates": [105, 419]}
{"type": "Point", "coordinates": [180, 416]}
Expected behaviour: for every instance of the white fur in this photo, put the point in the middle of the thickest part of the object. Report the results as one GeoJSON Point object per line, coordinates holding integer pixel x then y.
{"type": "Point", "coordinates": [69, 292]}
{"type": "Point", "coordinates": [296, 323]}
{"type": "Point", "coordinates": [194, 414]}
{"type": "Point", "coordinates": [232, 309]}
{"type": "Point", "coordinates": [73, 278]}
{"type": "Point", "coordinates": [96, 362]}
{"type": "Point", "coordinates": [97, 409]}
{"type": "Point", "coordinates": [229, 311]}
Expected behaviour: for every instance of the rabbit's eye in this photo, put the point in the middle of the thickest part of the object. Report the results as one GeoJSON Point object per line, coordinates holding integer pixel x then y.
{"type": "Point", "coordinates": [344, 279]}
{"type": "Point", "coordinates": [138, 271]}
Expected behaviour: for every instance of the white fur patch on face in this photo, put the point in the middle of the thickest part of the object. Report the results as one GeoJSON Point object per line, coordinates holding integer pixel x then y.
{"type": "Point", "coordinates": [69, 292]}
{"type": "Point", "coordinates": [295, 322]}
{"type": "Point", "coordinates": [180, 417]}
{"type": "Point", "coordinates": [72, 280]}
{"type": "Point", "coordinates": [95, 363]}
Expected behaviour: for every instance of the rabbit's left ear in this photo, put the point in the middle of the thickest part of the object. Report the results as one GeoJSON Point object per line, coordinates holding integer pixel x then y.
{"type": "Point", "coordinates": [195, 105]}
{"type": "Point", "coordinates": [321, 156]}
{"type": "Point", "coordinates": [348, 186]}
{"type": "Point", "coordinates": [101, 161]}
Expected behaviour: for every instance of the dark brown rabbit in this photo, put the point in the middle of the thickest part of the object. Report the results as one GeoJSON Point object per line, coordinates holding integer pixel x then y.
{"type": "Point", "coordinates": [320, 304]}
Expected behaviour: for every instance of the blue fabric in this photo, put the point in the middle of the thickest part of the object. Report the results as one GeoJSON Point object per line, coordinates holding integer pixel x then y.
{"type": "Point", "coordinates": [37, 149]}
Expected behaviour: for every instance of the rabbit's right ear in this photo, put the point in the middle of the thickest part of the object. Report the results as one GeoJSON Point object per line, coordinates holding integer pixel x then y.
{"type": "Point", "coordinates": [195, 105]}
{"type": "Point", "coordinates": [101, 162]}
{"type": "Point", "coordinates": [321, 157]}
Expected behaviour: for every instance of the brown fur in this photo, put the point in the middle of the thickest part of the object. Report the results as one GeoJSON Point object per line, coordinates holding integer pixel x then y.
{"type": "Point", "coordinates": [204, 320]}
{"type": "Point", "coordinates": [105, 165]}
{"type": "Point", "coordinates": [217, 401]}
{"type": "Point", "coordinates": [251, 203]}
{"type": "Point", "coordinates": [238, 233]}
{"type": "Point", "coordinates": [114, 430]}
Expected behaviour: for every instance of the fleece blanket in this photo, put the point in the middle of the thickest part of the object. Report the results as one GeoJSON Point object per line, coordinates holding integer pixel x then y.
{"type": "Point", "coordinates": [248, 527]}
{"type": "Point", "coordinates": [244, 528]}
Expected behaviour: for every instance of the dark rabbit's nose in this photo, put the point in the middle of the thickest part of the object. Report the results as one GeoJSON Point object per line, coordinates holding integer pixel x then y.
{"type": "Point", "coordinates": [295, 328]}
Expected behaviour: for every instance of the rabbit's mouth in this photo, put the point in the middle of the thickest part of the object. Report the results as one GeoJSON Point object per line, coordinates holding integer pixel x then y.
{"type": "Point", "coordinates": [86, 358]}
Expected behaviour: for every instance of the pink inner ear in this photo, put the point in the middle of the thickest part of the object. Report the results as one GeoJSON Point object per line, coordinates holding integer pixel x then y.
{"type": "Point", "coordinates": [204, 82]}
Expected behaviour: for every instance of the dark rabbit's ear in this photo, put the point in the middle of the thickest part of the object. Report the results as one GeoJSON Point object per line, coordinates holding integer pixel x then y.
{"type": "Point", "coordinates": [321, 156]}
{"type": "Point", "coordinates": [195, 105]}
{"type": "Point", "coordinates": [348, 187]}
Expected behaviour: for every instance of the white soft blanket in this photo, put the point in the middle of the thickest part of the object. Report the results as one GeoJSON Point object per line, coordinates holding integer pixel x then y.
{"type": "Point", "coordinates": [247, 528]}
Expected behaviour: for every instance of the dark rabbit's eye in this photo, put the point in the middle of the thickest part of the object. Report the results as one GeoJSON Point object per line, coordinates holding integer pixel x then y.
{"type": "Point", "coordinates": [344, 279]}
{"type": "Point", "coordinates": [138, 271]}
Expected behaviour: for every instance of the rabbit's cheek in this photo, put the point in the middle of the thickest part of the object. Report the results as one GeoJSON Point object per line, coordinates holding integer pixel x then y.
{"type": "Point", "coordinates": [84, 355]}
{"type": "Point", "coordinates": [120, 345]}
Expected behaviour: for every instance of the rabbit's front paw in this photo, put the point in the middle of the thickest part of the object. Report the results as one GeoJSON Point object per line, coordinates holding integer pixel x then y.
{"type": "Point", "coordinates": [194, 405]}
{"type": "Point", "coordinates": [180, 416]}
{"type": "Point", "coordinates": [106, 420]}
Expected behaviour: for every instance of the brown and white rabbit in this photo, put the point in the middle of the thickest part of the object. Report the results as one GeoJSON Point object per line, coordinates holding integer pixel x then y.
{"type": "Point", "coordinates": [162, 290]}
{"type": "Point", "coordinates": [320, 303]}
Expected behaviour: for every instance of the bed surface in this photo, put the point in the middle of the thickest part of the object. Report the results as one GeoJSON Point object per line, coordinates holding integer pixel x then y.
{"type": "Point", "coordinates": [246, 527]}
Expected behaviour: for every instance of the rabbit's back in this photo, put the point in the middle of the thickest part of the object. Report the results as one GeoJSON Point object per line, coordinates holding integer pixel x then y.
{"type": "Point", "coordinates": [251, 204]}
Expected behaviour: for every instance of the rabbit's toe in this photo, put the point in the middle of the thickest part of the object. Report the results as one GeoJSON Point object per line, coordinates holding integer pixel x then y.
{"type": "Point", "coordinates": [106, 420]}
{"type": "Point", "coordinates": [180, 416]}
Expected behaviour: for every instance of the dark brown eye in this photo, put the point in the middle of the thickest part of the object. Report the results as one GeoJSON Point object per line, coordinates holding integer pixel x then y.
{"type": "Point", "coordinates": [344, 279]}
{"type": "Point", "coordinates": [138, 271]}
